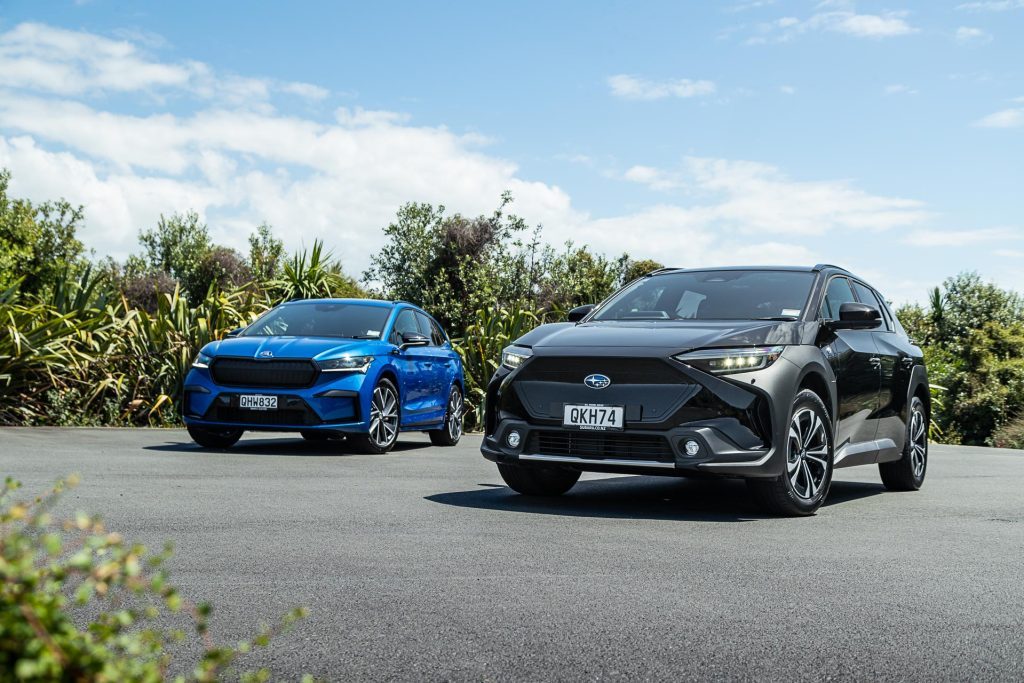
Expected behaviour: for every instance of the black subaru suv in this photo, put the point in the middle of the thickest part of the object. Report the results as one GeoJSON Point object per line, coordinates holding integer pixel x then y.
{"type": "Point", "coordinates": [774, 374]}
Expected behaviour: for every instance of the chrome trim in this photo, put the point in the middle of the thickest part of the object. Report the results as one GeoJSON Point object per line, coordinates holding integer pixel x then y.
{"type": "Point", "coordinates": [750, 463]}
{"type": "Point", "coordinates": [570, 460]}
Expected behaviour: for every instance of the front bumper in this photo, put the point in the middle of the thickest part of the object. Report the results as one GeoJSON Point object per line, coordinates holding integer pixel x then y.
{"type": "Point", "coordinates": [735, 421]}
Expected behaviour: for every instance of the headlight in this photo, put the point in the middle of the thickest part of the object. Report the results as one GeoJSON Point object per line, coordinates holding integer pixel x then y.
{"type": "Point", "coordinates": [728, 361]}
{"type": "Point", "coordinates": [201, 361]}
{"type": "Point", "coordinates": [513, 356]}
{"type": "Point", "coordinates": [346, 364]}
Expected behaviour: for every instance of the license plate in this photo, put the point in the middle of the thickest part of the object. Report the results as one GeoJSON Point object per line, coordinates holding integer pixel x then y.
{"type": "Point", "coordinates": [593, 417]}
{"type": "Point", "coordinates": [257, 402]}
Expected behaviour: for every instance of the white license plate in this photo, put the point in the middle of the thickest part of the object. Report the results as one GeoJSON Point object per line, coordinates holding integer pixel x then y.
{"type": "Point", "coordinates": [593, 417]}
{"type": "Point", "coordinates": [257, 402]}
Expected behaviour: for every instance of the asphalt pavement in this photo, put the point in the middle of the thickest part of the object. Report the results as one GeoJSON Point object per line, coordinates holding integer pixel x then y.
{"type": "Point", "coordinates": [421, 565]}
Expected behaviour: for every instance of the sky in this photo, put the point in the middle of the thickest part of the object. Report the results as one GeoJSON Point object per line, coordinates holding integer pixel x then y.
{"type": "Point", "coordinates": [885, 137]}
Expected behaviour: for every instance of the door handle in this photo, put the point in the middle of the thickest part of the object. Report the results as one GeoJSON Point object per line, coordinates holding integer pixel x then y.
{"type": "Point", "coordinates": [876, 361]}
{"type": "Point", "coordinates": [907, 361]}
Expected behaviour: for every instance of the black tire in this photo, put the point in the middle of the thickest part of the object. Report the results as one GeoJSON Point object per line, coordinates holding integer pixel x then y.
{"type": "Point", "coordinates": [314, 435]}
{"type": "Point", "coordinates": [803, 487]}
{"type": "Point", "coordinates": [538, 481]}
{"type": "Point", "coordinates": [214, 438]}
{"type": "Point", "coordinates": [907, 473]}
{"type": "Point", "coordinates": [451, 432]}
{"type": "Point", "coordinates": [380, 440]}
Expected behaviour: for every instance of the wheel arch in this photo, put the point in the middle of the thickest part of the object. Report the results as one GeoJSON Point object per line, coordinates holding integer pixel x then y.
{"type": "Point", "coordinates": [813, 378]}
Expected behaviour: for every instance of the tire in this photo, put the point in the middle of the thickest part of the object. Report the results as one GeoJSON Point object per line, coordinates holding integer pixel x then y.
{"type": "Point", "coordinates": [451, 432]}
{"type": "Point", "coordinates": [385, 418]}
{"type": "Point", "coordinates": [314, 435]}
{"type": "Point", "coordinates": [214, 438]}
{"type": "Point", "coordinates": [907, 473]}
{"type": "Point", "coordinates": [810, 451]}
{"type": "Point", "coordinates": [538, 481]}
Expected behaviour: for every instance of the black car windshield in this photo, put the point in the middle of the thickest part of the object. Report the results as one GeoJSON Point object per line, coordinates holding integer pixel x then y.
{"type": "Point", "coordinates": [712, 295]}
{"type": "Point", "coordinates": [353, 321]}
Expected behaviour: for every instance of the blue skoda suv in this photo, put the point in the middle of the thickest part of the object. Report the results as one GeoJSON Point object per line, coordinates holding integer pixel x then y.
{"type": "Point", "coordinates": [360, 369]}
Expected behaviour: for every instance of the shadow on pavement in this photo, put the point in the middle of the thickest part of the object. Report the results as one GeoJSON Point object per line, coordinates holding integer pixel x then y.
{"type": "Point", "coordinates": [281, 447]}
{"type": "Point", "coordinates": [706, 500]}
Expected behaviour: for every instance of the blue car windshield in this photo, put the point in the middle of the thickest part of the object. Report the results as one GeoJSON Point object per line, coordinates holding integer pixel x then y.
{"type": "Point", "coordinates": [348, 320]}
{"type": "Point", "coordinates": [712, 295]}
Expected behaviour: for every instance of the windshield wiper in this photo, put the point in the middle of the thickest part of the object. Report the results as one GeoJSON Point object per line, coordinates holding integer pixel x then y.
{"type": "Point", "coordinates": [365, 336]}
{"type": "Point", "coordinates": [784, 318]}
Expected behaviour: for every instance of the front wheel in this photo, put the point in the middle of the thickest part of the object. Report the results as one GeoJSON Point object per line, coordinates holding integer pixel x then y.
{"type": "Point", "coordinates": [451, 432]}
{"type": "Point", "coordinates": [907, 473]}
{"type": "Point", "coordinates": [538, 481]}
{"type": "Point", "coordinates": [384, 416]}
{"type": "Point", "coordinates": [214, 438]}
{"type": "Point", "coordinates": [801, 490]}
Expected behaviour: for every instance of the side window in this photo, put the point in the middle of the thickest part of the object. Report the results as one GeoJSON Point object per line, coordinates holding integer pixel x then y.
{"type": "Point", "coordinates": [425, 328]}
{"type": "Point", "coordinates": [438, 335]}
{"type": "Point", "coordinates": [837, 294]}
{"type": "Point", "coordinates": [404, 324]}
{"type": "Point", "coordinates": [869, 297]}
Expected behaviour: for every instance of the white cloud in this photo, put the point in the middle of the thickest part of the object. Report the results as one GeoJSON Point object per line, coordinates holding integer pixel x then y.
{"type": "Point", "coordinates": [843, 20]}
{"type": "Point", "coordinates": [899, 89]}
{"type": "Point", "coordinates": [634, 88]}
{"type": "Point", "coordinates": [1005, 118]}
{"type": "Point", "coordinates": [971, 34]}
{"type": "Point", "coordinates": [787, 89]}
{"type": "Point", "coordinates": [307, 90]}
{"type": "Point", "coordinates": [961, 238]}
{"type": "Point", "coordinates": [992, 5]}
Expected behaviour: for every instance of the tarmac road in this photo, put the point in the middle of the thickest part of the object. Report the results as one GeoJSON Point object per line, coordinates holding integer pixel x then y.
{"type": "Point", "coordinates": [420, 565]}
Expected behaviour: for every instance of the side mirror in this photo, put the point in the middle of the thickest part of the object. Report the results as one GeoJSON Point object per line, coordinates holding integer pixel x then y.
{"type": "Point", "coordinates": [235, 332]}
{"type": "Point", "coordinates": [414, 339]}
{"type": "Point", "coordinates": [855, 316]}
{"type": "Point", "coordinates": [579, 313]}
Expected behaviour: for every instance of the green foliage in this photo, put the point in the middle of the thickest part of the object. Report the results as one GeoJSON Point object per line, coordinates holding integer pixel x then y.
{"type": "Point", "coordinates": [481, 347]}
{"type": "Point", "coordinates": [77, 603]}
{"type": "Point", "coordinates": [1010, 435]}
{"type": "Point", "coordinates": [265, 254]}
{"type": "Point", "coordinates": [313, 275]}
{"type": "Point", "coordinates": [178, 245]}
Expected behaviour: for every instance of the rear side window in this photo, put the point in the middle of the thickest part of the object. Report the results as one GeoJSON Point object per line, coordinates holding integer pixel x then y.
{"type": "Point", "coordinates": [438, 335]}
{"type": "Point", "coordinates": [837, 294]}
{"type": "Point", "coordinates": [429, 329]}
{"type": "Point", "coordinates": [869, 297]}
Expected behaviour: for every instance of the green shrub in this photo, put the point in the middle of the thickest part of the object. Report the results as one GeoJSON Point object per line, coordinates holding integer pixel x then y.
{"type": "Point", "coordinates": [1010, 435]}
{"type": "Point", "coordinates": [77, 603]}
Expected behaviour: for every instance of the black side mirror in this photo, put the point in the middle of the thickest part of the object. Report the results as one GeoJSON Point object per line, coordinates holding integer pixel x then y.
{"type": "Point", "coordinates": [855, 316]}
{"type": "Point", "coordinates": [414, 339]}
{"type": "Point", "coordinates": [579, 313]}
{"type": "Point", "coordinates": [235, 332]}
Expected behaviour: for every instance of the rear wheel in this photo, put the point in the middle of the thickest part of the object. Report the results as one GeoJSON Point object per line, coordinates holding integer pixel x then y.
{"type": "Point", "coordinates": [803, 487]}
{"type": "Point", "coordinates": [907, 473]}
{"type": "Point", "coordinates": [451, 432]}
{"type": "Point", "coordinates": [538, 481]}
{"type": "Point", "coordinates": [384, 416]}
{"type": "Point", "coordinates": [214, 438]}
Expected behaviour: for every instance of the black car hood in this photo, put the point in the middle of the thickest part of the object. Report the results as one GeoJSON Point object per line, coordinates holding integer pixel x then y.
{"type": "Point", "coordinates": [669, 334]}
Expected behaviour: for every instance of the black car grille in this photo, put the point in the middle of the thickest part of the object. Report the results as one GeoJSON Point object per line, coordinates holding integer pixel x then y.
{"type": "Point", "coordinates": [241, 372]}
{"type": "Point", "coordinates": [262, 417]}
{"type": "Point", "coordinates": [573, 370]}
{"type": "Point", "coordinates": [600, 445]}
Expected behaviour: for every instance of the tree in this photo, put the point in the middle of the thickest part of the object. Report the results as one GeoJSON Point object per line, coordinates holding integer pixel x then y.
{"type": "Point", "coordinates": [38, 243]}
{"type": "Point", "coordinates": [178, 245]}
{"type": "Point", "coordinates": [265, 254]}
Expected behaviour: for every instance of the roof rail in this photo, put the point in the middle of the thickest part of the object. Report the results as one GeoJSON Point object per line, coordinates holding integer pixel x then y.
{"type": "Point", "coordinates": [823, 266]}
{"type": "Point", "coordinates": [662, 270]}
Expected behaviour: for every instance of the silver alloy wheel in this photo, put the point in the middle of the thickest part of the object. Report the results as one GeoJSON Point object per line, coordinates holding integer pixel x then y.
{"type": "Point", "coordinates": [807, 454]}
{"type": "Point", "coordinates": [455, 415]}
{"type": "Point", "coordinates": [918, 443]}
{"type": "Point", "coordinates": [383, 416]}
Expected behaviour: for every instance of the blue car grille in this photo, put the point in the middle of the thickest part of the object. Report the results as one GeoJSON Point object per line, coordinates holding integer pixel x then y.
{"type": "Point", "coordinates": [242, 372]}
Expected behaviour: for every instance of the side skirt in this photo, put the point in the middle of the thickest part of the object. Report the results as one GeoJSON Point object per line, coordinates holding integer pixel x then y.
{"type": "Point", "coordinates": [867, 453]}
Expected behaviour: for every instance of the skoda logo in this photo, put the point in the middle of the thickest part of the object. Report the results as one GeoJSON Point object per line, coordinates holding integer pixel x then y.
{"type": "Point", "coordinates": [597, 381]}
{"type": "Point", "coordinates": [266, 354]}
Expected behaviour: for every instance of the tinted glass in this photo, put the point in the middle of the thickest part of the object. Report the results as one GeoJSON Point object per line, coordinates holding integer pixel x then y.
{"type": "Point", "coordinates": [405, 324]}
{"type": "Point", "coordinates": [439, 338]}
{"type": "Point", "coordinates": [425, 328]}
{"type": "Point", "coordinates": [837, 294]}
{"type": "Point", "coordinates": [712, 295]}
{"type": "Point", "coordinates": [868, 296]}
{"type": "Point", "coordinates": [356, 321]}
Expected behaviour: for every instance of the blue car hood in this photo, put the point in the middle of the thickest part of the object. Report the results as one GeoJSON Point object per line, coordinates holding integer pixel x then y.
{"type": "Point", "coordinates": [291, 347]}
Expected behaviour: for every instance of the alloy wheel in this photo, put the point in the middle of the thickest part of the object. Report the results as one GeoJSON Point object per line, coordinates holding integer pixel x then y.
{"type": "Point", "coordinates": [383, 416]}
{"type": "Point", "coordinates": [918, 443]}
{"type": "Point", "coordinates": [455, 415]}
{"type": "Point", "coordinates": [807, 456]}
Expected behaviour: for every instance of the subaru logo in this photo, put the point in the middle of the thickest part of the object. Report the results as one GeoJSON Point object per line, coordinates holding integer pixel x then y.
{"type": "Point", "coordinates": [597, 381]}
{"type": "Point", "coordinates": [266, 354]}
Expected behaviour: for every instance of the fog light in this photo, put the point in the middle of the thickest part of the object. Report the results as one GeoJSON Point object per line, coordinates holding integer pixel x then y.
{"type": "Point", "coordinates": [513, 439]}
{"type": "Point", "coordinates": [692, 447]}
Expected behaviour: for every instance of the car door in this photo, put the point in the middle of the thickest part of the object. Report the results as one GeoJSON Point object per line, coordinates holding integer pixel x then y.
{"type": "Point", "coordinates": [414, 365]}
{"type": "Point", "coordinates": [854, 358]}
{"type": "Point", "coordinates": [439, 373]}
{"type": "Point", "coordinates": [896, 362]}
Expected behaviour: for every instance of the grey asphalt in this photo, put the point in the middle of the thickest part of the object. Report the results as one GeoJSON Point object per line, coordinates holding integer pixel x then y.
{"type": "Point", "coordinates": [420, 565]}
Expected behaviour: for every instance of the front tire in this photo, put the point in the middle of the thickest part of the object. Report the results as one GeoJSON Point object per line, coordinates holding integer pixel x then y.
{"type": "Point", "coordinates": [384, 420]}
{"type": "Point", "coordinates": [907, 473]}
{"type": "Point", "coordinates": [214, 438]}
{"type": "Point", "coordinates": [802, 489]}
{"type": "Point", "coordinates": [451, 432]}
{"type": "Point", "coordinates": [538, 481]}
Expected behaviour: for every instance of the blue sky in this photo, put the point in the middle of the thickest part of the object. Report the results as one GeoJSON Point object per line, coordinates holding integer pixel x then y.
{"type": "Point", "coordinates": [887, 137]}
